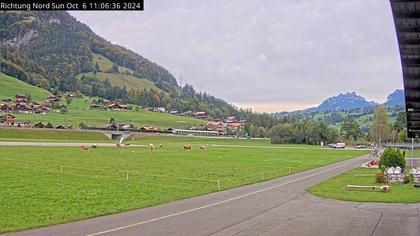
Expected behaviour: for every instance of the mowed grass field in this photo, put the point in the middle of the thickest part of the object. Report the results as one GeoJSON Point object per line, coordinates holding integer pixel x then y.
{"type": "Point", "coordinates": [79, 111]}
{"type": "Point", "coordinates": [50, 135]}
{"type": "Point", "coordinates": [335, 189]}
{"type": "Point", "coordinates": [51, 185]}
{"type": "Point", "coordinates": [10, 86]}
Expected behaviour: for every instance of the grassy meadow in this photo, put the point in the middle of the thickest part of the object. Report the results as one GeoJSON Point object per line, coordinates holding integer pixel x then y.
{"type": "Point", "coordinates": [10, 86]}
{"type": "Point", "coordinates": [335, 189]}
{"type": "Point", "coordinates": [51, 185]}
{"type": "Point", "coordinates": [50, 135]}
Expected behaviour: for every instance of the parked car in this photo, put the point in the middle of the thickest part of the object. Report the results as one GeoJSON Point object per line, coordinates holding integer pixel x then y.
{"type": "Point", "coordinates": [360, 146]}
{"type": "Point", "coordinates": [332, 145]}
{"type": "Point", "coordinates": [340, 145]}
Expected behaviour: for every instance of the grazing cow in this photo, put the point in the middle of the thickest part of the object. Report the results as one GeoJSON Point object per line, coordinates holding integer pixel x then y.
{"type": "Point", "coordinates": [152, 147]}
{"type": "Point", "coordinates": [119, 145]}
{"type": "Point", "coordinates": [94, 146]}
{"type": "Point", "coordinates": [160, 146]}
{"type": "Point", "coordinates": [85, 148]}
{"type": "Point", "coordinates": [202, 148]}
{"type": "Point", "coordinates": [186, 147]}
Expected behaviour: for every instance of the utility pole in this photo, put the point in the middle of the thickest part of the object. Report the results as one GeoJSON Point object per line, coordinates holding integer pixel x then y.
{"type": "Point", "coordinates": [412, 153]}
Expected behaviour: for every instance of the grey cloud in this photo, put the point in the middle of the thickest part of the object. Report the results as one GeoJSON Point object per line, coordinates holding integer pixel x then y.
{"type": "Point", "coordinates": [289, 51]}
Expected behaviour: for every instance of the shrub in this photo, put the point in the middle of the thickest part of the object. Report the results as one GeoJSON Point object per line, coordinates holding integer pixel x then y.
{"type": "Point", "coordinates": [392, 157]}
{"type": "Point", "coordinates": [276, 140]}
{"type": "Point", "coordinates": [380, 178]}
{"type": "Point", "coordinates": [406, 179]}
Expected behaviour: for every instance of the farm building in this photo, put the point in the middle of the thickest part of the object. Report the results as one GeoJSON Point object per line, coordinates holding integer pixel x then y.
{"type": "Point", "coordinates": [195, 132]}
{"type": "Point", "coordinates": [8, 119]}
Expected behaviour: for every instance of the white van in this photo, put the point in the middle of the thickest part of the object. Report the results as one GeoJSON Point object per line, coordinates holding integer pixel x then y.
{"type": "Point", "coordinates": [340, 145]}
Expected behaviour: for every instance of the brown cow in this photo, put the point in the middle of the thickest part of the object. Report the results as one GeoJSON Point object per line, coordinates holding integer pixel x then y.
{"type": "Point", "coordinates": [85, 148]}
{"type": "Point", "coordinates": [160, 146]}
{"type": "Point", "coordinates": [186, 147]}
{"type": "Point", "coordinates": [202, 148]}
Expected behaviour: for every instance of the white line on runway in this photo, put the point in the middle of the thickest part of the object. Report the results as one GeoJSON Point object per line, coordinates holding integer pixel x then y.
{"type": "Point", "coordinates": [216, 203]}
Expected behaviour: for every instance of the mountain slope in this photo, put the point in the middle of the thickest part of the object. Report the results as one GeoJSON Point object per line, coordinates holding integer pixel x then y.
{"type": "Point", "coordinates": [53, 49]}
{"type": "Point", "coordinates": [396, 98]}
{"type": "Point", "coordinates": [343, 102]}
{"type": "Point", "coordinates": [10, 86]}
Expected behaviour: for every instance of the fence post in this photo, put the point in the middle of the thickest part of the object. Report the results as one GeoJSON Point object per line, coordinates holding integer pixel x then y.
{"type": "Point", "coordinates": [218, 184]}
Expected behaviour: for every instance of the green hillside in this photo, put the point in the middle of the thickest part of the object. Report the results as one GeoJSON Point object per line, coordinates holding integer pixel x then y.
{"type": "Point", "coordinates": [121, 80]}
{"type": "Point", "coordinates": [105, 64]}
{"type": "Point", "coordinates": [10, 86]}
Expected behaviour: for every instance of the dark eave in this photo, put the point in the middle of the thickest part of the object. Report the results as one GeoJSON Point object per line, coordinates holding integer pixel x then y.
{"type": "Point", "coordinates": [406, 15]}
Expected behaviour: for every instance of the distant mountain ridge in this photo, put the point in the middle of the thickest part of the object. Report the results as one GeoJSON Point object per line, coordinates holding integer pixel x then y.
{"type": "Point", "coordinates": [397, 98]}
{"type": "Point", "coordinates": [351, 100]}
{"type": "Point", "coordinates": [342, 102]}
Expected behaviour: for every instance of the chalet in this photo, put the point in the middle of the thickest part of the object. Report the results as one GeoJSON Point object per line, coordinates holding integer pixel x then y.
{"type": "Point", "coordinates": [5, 107]}
{"type": "Point", "coordinates": [200, 115]}
{"type": "Point", "coordinates": [126, 127]}
{"type": "Point", "coordinates": [187, 113]}
{"type": "Point", "coordinates": [54, 98]}
{"type": "Point", "coordinates": [95, 106]}
{"type": "Point", "coordinates": [64, 127]}
{"type": "Point", "coordinates": [118, 107]}
{"type": "Point", "coordinates": [21, 124]}
{"type": "Point", "coordinates": [7, 119]}
{"type": "Point", "coordinates": [62, 108]}
{"type": "Point", "coordinates": [22, 100]}
{"type": "Point", "coordinates": [111, 127]}
{"type": "Point", "coordinates": [159, 109]}
{"type": "Point", "coordinates": [40, 109]}
{"type": "Point", "coordinates": [148, 129]}
{"type": "Point", "coordinates": [23, 107]}
{"type": "Point", "coordinates": [21, 97]}
{"type": "Point", "coordinates": [231, 119]}
{"type": "Point", "coordinates": [41, 125]}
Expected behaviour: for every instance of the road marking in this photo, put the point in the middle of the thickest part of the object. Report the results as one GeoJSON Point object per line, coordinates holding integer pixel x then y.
{"type": "Point", "coordinates": [217, 203]}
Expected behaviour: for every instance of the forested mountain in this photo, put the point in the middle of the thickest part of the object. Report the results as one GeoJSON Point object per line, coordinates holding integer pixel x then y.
{"type": "Point", "coordinates": [54, 51]}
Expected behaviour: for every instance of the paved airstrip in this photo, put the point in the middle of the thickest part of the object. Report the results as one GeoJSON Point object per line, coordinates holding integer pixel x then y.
{"type": "Point", "coordinates": [277, 207]}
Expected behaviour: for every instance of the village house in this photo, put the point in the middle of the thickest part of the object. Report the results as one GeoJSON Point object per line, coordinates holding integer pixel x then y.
{"type": "Point", "coordinates": [41, 125]}
{"type": "Point", "coordinates": [111, 127]}
{"type": "Point", "coordinates": [8, 119]}
{"type": "Point", "coordinates": [148, 129]}
{"type": "Point", "coordinates": [126, 127]}
{"type": "Point", "coordinates": [54, 98]}
{"type": "Point", "coordinates": [64, 127]}
{"type": "Point", "coordinates": [200, 115]}
{"type": "Point", "coordinates": [23, 107]}
{"type": "Point", "coordinates": [117, 107]}
{"type": "Point", "coordinates": [21, 124]}
{"type": "Point", "coordinates": [159, 109]}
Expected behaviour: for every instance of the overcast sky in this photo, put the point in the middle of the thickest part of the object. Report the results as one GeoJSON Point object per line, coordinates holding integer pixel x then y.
{"type": "Point", "coordinates": [268, 55]}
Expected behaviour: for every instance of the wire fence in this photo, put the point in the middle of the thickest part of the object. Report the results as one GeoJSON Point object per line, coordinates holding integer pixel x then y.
{"type": "Point", "coordinates": [219, 183]}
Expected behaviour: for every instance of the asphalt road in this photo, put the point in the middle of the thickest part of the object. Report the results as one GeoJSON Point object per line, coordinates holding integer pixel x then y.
{"type": "Point", "coordinates": [276, 207]}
